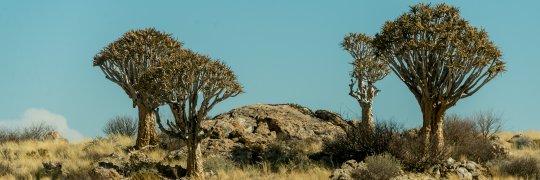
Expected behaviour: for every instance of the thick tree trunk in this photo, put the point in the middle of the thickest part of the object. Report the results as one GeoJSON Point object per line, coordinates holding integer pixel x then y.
{"type": "Point", "coordinates": [437, 131]}
{"type": "Point", "coordinates": [367, 115]}
{"type": "Point", "coordinates": [146, 134]}
{"type": "Point", "coordinates": [432, 128]}
{"type": "Point", "coordinates": [194, 160]}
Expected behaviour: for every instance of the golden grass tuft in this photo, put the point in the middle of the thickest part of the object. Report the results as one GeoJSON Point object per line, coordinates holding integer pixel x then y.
{"type": "Point", "coordinates": [26, 157]}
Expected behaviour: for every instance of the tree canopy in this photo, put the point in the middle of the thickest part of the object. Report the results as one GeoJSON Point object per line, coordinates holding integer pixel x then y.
{"type": "Point", "coordinates": [441, 59]}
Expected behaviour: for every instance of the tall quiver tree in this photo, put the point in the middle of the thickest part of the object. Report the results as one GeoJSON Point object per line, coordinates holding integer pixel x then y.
{"type": "Point", "coordinates": [367, 70]}
{"type": "Point", "coordinates": [126, 59]}
{"type": "Point", "coordinates": [192, 85]}
{"type": "Point", "coordinates": [441, 58]}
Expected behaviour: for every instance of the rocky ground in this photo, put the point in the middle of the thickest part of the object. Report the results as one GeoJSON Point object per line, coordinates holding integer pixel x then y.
{"type": "Point", "coordinates": [238, 136]}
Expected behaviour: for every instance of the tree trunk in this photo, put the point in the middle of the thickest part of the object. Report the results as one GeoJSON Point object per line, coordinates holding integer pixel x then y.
{"type": "Point", "coordinates": [367, 115]}
{"type": "Point", "coordinates": [426, 129]}
{"type": "Point", "coordinates": [432, 128]}
{"type": "Point", "coordinates": [146, 134]}
{"type": "Point", "coordinates": [437, 131]}
{"type": "Point", "coordinates": [194, 160]}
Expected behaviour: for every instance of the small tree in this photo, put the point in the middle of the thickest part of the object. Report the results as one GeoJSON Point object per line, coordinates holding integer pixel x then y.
{"type": "Point", "coordinates": [126, 59]}
{"type": "Point", "coordinates": [488, 123]}
{"type": "Point", "coordinates": [440, 58]}
{"type": "Point", "coordinates": [191, 85]}
{"type": "Point", "coordinates": [121, 125]}
{"type": "Point", "coordinates": [367, 69]}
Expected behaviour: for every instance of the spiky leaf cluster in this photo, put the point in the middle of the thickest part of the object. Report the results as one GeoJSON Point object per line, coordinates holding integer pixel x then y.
{"type": "Point", "coordinates": [366, 65]}
{"type": "Point", "coordinates": [438, 54]}
{"type": "Point", "coordinates": [125, 60]}
{"type": "Point", "coordinates": [367, 68]}
{"type": "Point", "coordinates": [192, 85]}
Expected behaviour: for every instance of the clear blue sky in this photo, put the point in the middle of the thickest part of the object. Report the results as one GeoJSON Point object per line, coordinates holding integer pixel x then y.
{"type": "Point", "coordinates": [282, 51]}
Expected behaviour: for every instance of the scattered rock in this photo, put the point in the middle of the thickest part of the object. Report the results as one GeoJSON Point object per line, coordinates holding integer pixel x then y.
{"type": "Point", "coordinates": [463, 169]}
{"type": "Point", "coordinates": [52, 170]}
{"type": "Point", "coordinates": [347, 169]}
{"type": "Point", "coordinates": [499, 150]}
{"type": "Point", "coordinates": [136, 161]}
{"type": "Point", "coordinates": [463, 174]}
{"type": "Point", "coordinates": [55, 136]}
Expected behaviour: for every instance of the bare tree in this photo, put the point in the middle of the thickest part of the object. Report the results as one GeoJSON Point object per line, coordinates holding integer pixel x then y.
{"type": "Point", "coordinates": [367, 70]}
{"type": "Point", "coordinates": [488, 123]}
{"type": "Point", "coordinates": [124, 60]}
{"type": "Point", "coordinates": [121, 125]}
{"type": "Point", "coordinates": [440, 58]}
{"type": "Point", "coordinates": [191, 85]}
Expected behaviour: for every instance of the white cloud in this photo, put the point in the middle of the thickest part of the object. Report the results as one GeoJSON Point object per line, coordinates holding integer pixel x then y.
{"type": "Point", "coordinates": [34, 116]}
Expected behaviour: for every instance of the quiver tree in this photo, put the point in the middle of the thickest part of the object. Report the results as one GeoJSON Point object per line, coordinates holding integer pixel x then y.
{"type": "Point", "coordinates": [440, 58]}
{"type": "Point", "coordinates": [367, 69]}
{"type": "Point", "coordinates": [191, 86]}
{"type": "Point", "coordinates": [126, 59]}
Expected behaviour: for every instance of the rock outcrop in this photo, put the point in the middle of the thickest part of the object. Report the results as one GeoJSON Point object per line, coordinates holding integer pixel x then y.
{"type": "Point", "coordinates": [263, 124]}
{"type": "Point", "coordinates": [115, 166]}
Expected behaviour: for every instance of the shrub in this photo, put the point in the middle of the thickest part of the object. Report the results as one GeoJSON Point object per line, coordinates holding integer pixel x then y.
{"type": "Point", "coordinates": [359, 142]}
{"type": "Point", "coordinates": [5, 168]}
{"type": "Point", "coordinates": [522, 142]}
{"type": "Point", "coordinates": [458, 130]}
{"type": "Point", "coordinates": [488, 123]}
{"type": "Point", "coordinates": [383, 166]}
{"type": "Point", "coordinates": [467, 139]}
{"type": "Point", "coordinates": [9, 135]}
{"type": "Point", "coordinates": [121, 125]}
{"type": "Point", "coordinates": [408, 147]}
{"type": "Point", "coordinates": [525, 167]}
{"type": "Point", "coordinates": [36, 131]}
{"type": "Point", "coordinates": [276, 154]}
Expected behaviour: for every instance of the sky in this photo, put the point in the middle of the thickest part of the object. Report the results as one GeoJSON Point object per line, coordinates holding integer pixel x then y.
{"type": "Point", "coordinates": [282, 52]}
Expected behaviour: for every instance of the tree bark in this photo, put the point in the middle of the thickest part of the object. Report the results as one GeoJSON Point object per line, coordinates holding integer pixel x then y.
{"type": "Point", "coordinates": [146, 134]}
{"type": "Point", "coordinates": [426, 128]}
{"type": "Point", "coordinates": [194, 160]}
{"type": "Point", "coordinates": [432, 128]}
{"type": "Point", "coordinates": [367, 116]}
{"type": "Point", "coordinates": [437, 131]}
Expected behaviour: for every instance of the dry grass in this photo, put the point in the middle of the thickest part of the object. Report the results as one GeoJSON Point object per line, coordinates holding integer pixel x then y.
{"type": "Point", "coordinates": [263, 172]}
{"type": "Point", "coordinates": [533, 151]}
{"type": "Point", "coordinates": [25, 158]}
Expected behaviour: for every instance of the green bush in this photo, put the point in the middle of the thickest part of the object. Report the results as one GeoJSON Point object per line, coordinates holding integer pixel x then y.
{"type": "Point", "coordinates": [383, 166]}
{"type": "Point", "coordinates": [524, 167]}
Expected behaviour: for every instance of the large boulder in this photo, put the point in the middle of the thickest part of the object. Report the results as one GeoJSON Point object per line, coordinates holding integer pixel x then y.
{"type": "Point", "coordinates": [263, 124]}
